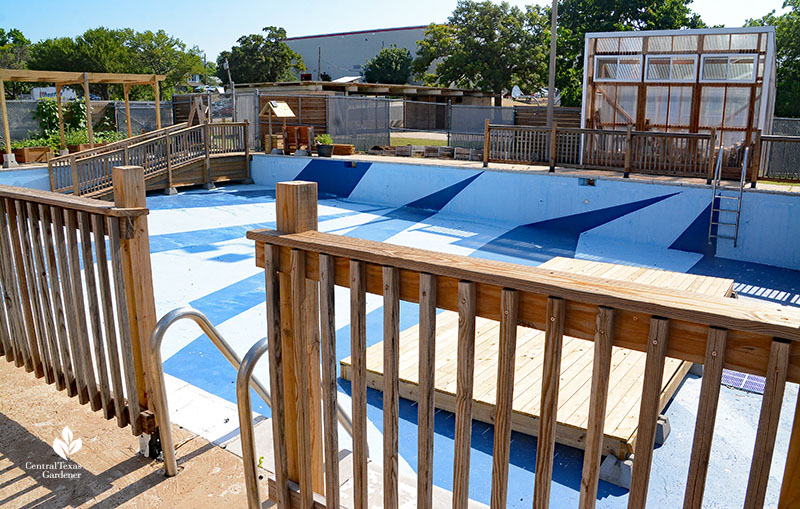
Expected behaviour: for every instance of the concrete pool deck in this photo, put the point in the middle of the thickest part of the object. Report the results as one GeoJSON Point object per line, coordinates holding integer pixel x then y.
{"type": "Point", "coordinates": [201, 257]}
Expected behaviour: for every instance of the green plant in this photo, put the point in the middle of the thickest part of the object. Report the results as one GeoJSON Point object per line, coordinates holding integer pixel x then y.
{"type": "Point", "coordinates": [324, 139]}
{"type": "Point", "coordinates": [261, 462]}
{"type": "Point", "coordinates": [75, 115]}
{"type": "Point", "coordinates": [47, 113]}
{"type": "Point", "coordinates": [110, 136]}
{"type": "Point", "coordinates": [76, 137]}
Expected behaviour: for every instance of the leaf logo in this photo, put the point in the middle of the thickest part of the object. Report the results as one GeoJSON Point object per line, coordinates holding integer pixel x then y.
{"type": "Point", "coordinates": [65, 446]}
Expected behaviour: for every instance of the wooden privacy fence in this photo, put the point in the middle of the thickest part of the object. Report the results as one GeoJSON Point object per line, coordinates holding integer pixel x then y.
{"type": "Point", "coordinates": [302, 266]}
{"type": "Point", "coordinates": [680, 154]}
{"type": "Point", "coordinates": [165, 152]}
{"type": "Point", "coordinates": [77, 293]}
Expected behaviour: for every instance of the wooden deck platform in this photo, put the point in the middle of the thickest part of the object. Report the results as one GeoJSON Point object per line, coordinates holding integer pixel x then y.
{"type": "Point", "coordinates": [627, 366]}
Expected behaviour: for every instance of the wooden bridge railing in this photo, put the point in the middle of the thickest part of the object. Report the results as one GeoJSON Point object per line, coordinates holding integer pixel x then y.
{"type": "Point", "coordinates": [82, 174]}
{"type": "Point", "coordinates": [77, 291]}
{"type": "Point", "coordinates": [629, 151]}
{"type": "Point", "coordinates": [302, 265]}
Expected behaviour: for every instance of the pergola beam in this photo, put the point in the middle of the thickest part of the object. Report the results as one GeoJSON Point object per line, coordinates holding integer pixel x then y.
{"type": "Point", "coordinates": [75, 78]}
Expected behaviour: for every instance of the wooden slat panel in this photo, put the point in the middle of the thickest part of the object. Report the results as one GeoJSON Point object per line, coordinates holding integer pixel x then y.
{"type": "Point", "coordinates": [768, 424]}
{"type": "Point", "coordinates": [751, 326]}
{"type": "Point", "coordinates": [11, 297]}
{"type": "Point", "coordinates": [358, 346]}
{"type": "Point", "coordinates": [706, 416]}
{"type": "Point", "coordinates": [466, 368]}
{"type": "Point", "coordinates": [509, 312]}
{"type": "Point", "coordinates": [107, 303]}
{"type": "Point", "coordinates": [33, 361]}
{"type": "Point", "coordinates": [648, 413]}
{"type": "Point", "coordinates": [330, 389]}
{"type": "Point", "coordinates": [273, 294]}
{"type": "Point", "coordinates": [426, 408]}
{"type": "Point", "coordinates": [78, 365]}
{"type": "Point", "coordinates": [391, 390]}
{"type": "Point", "coordinates": [82, 333]}
{"type": "Point", "coordinates": [37, 224]}
{"type": "Point", "coordinates": [40, 340]}
{"type": "Point", "coordinates": [299, 312]}
{"type": "Point", "coordinates": [601, 375]}
{"type": "Point", "coordinates": [551, 374]}
{"type": "Point", "coordinates": [125, 339]}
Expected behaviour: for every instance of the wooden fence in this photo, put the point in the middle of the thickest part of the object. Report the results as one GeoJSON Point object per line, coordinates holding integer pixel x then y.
{"type": "Point", "coordinates": [78, 297]}
{"type": "Point", "coordinates": [90, 174]}
{"type": "Point", "coordinates": [680, 154]}
{"type": "Point", "coordinates": [302, 266]}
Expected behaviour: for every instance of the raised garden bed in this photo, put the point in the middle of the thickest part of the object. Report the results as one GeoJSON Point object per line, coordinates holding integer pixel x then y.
{"type": "Point", "coordinates": [32, 154]}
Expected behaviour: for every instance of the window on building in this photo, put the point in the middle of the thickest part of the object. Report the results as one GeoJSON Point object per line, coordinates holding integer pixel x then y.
{"type": "Point", "coordinates": [675, 68]}
{"type": "Point", "coordinates": [618, 68]}
{"type": "Point", "coordinates": [728, 68]}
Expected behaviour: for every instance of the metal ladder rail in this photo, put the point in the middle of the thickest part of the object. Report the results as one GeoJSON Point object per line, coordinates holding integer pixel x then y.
{"type": "Point", "coordinates": [737, 212]}
{"type": "Point", "coordinates": [714, 184]}
{"type": "Point", "coordinates": [741, 190]}
{"type": "Point", "coordinates": [158, 384]}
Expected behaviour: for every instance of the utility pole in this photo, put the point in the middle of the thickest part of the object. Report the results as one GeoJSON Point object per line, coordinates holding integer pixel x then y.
{"type": "Point", "coordinates": [551, 85]}
{"type": "Point", "coordinates": [319, 62]}
{"type": "Point", "coordinates": [233, 88]}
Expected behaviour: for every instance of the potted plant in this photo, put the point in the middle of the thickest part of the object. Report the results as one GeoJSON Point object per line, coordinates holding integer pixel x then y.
{"type": "Point", "coordinates": [324, 145]}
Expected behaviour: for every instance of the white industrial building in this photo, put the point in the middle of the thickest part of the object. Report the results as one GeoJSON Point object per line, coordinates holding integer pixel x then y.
{"type": "Point", "coordinates": [344, 54]}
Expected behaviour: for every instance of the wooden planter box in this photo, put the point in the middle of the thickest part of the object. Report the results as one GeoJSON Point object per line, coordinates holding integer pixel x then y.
{"type": "Point", "coordinates": [340, 149]}
{"type": "Point", "coordinates": [32, 154]}
{"type": "Point", "coordinates": [84, 146]}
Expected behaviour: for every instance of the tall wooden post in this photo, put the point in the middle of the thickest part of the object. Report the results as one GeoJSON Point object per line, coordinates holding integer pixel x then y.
{"type": "Point", "coordinates": [60, 115]}
{"type": "Point", "coordinates": [207, 160]}
{"type": "Point", "coordinates": [790, 489]}
{"type": "Point", "coordinates": [125, 91]}
{"type": "Point", "coordinates": [158, 102]}
{"type": "Point", "coordinates": [247, 147]}
{"type": "Point", "coordinates": [129, 192]}
{"type": "Point", "coordinates": [712, 145]}
{"type": "Point", "coordinates": [87, 99]}
{"type": "Point", "coordinates": [4, 111]}
{"type": "Point", "coordinates": [296, 204]}
{"type": "Point", "coordinates": [553, 146]}
{"type": "Point", "coordinates": [755, 163]}
{"type": "Point", "coordinates": [486, 143]}
{"type": "Point", "coordinates": [628, 150]}
{"type": "Point", "coordinates": [168, 152]}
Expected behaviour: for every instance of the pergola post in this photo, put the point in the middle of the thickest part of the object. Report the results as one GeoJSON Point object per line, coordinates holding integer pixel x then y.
{"type": "Point", "coordinates": [87, 98]}
{"type": "Point", "coordinates": [8, 161]}
{"type": "Point", "coordinates": [158, 102]}
{"type": "Point", "coordinates": [125, 90]}
{"type": "Point", "coordinates": [60, 115]}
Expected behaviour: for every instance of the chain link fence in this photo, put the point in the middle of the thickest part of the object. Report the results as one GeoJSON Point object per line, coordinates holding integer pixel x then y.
{"type": "Point", "coordinates": [783, 159]}
{"type": "Point", "coordinates": [21, 121]}
{"type": "Point", "coordinates": [143, 116]}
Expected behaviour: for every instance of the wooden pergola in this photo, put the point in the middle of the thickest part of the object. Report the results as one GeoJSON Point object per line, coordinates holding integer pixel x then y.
{"type": "Point", "coordinates": [62, 78]}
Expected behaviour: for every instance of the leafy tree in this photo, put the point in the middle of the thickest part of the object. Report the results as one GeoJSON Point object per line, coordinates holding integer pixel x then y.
{"type": "Point", "coordinates": [787, 39]}
{"type": "Point", "coordinates": [487, 46]}
{"type": "Point", "coordinates": [576, 17]}
{"type": "Point", "coordinates": [14, 53]}
{"type": "Point", "coordinates": [258, 58]}
{"type": "Point", "coordinates": [390, 65]}
{"type": "Point", "coordinates": [159, 53]}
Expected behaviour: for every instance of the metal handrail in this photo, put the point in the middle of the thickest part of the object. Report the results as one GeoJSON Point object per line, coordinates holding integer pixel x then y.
{"type": "Point", "coordinates": [243, 379]}
{"type": "Point", "coordinates": [159, 393]}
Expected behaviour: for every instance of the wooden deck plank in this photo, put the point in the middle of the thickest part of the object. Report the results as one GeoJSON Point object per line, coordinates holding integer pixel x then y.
{"type": "Point", "coordinates": [626, 370]}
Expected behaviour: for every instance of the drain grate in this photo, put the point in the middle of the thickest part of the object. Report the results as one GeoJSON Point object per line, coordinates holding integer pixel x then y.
{"type": "Point", "coordinates": [743, 381]}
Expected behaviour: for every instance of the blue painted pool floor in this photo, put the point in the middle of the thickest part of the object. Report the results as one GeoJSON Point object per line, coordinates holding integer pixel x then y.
{"type": "Point", "coordinates": [201, 258]}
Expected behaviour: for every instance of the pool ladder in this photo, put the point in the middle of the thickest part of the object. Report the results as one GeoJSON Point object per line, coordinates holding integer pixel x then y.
{"type": "Point", "coordinates": [159, 393]}
{"type": "Point", "coordinates": [718, 197]}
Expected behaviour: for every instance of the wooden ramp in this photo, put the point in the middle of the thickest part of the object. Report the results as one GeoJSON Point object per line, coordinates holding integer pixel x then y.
{"type": "Point", "coordinates": [627, 366]}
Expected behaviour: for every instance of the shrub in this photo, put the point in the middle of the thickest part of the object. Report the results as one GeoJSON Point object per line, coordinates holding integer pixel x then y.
{"type": "Point", "coordinates": [324, 139]}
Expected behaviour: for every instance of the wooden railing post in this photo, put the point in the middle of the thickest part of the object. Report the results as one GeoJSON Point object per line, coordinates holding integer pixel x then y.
{"type": "Point", "coordinates": [628, 150]}
{"type": "Point", "coordinates": [790, 488]}
{"type": "Point", "coordinates": [486, 143]}
{"type": "Point", "coordinates": [756, 160]}
{"type": "Point", "coordinates": [296, 204]}
{"type": "Point", "coordinates": [207, 161]}
{"type": "Point", "coordinates": [247, 148]}
{"type": "Point", "coordinates": [553, 147]}
{"type": "Point", "coordinates": [711, 146]}
{"type": "Point", "coordinates": [129, 192]}
{"type": "Point", "coordinates": [76, 185]}
{"type": "Point", "coordinates": [168, 153]}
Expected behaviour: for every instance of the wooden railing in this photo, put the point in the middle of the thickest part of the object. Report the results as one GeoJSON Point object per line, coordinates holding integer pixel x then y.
{"type": "Point", "coordinates": [302, 265]}
{"type": "Point", "coordinates": [78, 297]}
{"type": "Point", "coordinates": [86, 175]}
{"type": "Point", "coordinates": [680, 154]}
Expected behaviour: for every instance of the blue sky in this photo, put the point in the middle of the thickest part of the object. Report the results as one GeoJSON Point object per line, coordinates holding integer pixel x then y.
{"type": "Point", "coordinates": [215, 26]}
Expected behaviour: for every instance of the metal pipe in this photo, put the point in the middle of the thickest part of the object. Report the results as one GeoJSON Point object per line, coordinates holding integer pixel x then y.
{"type": "Point", "coordinates": [158, 385]}
{"type": "Point", "coordinates": [243, 379]}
